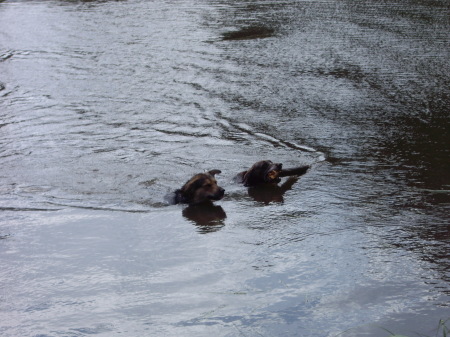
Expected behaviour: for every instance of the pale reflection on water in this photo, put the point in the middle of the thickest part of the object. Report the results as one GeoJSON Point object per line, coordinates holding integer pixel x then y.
{"type": "Point", "coordinates": [108, 105]}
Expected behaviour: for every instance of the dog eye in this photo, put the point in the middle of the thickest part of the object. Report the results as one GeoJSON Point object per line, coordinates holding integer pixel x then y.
{"type": "Point", "coordinates": [208, 185]}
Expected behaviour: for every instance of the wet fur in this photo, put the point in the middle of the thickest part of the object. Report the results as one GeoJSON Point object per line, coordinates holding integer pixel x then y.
{"type": "Point", "coordinates": [199, 189]}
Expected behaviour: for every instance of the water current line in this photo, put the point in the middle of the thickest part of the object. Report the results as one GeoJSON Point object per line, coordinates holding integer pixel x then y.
{"type": "Point", "coordinates": [247, 129]}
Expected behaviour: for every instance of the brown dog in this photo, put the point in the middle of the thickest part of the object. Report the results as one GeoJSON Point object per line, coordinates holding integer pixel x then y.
{"type": "Point", "coordinates": [267, 172]}
{"type": "Point", "coordinates": [199, 189]}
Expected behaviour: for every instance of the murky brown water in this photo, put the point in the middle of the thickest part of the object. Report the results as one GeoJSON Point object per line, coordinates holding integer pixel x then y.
{"type": "Point", "coordinates": [107, 105]}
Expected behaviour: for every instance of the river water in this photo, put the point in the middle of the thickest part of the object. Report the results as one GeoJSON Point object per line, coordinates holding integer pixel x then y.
{"type": "Point", "coordinates": [106, 106]}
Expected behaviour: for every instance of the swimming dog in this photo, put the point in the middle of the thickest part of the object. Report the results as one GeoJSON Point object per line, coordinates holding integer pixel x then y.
{"type": "Point", "coordinates": [267, 172]}
{"type": "Point", "coordinates": [199, 189]}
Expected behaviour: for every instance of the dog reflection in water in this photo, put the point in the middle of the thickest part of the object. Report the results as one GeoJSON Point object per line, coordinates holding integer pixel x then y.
{"type": "Point", "coordinates": [267, 193]}
{"type": "Point", "coordinates": [207, 216]}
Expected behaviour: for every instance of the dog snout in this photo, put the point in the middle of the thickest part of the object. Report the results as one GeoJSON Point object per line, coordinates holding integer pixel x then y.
{"type": "Point", "coordinates": [218, 194]}
{"type": "Point", "coordinates": [221, 191]}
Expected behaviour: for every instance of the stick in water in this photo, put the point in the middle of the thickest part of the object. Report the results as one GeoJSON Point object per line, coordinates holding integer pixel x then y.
{"type": "Point", "coordinates": [295, 171]}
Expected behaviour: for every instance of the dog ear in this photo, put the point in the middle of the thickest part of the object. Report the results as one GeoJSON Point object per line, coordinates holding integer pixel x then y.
{"type": "Point", "coordinates": [214, 172]}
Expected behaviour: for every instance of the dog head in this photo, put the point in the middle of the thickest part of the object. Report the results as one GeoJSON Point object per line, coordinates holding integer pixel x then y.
{"type": "Point", "coordinates": [264, 171]}
{"type": "Point", "coordinates": [202, 187]}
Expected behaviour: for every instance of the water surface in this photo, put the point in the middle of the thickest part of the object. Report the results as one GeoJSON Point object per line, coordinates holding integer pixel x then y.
{"type": "Point", "coordinates": [106, 106]}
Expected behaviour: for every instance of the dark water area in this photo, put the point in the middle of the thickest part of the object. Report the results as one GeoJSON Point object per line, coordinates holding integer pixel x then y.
{"type": "Point", "coordinates": [106, 106]}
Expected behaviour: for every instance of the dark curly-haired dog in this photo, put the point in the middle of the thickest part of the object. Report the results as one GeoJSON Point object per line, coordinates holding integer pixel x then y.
{"type": "Point", "coordinates": [267, 172]}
